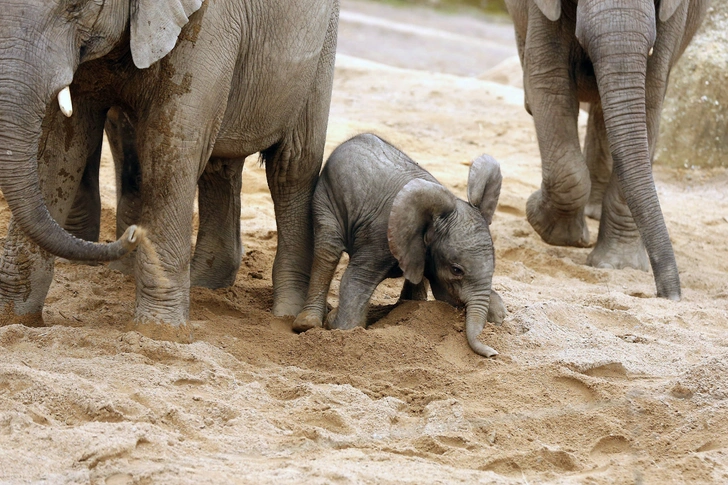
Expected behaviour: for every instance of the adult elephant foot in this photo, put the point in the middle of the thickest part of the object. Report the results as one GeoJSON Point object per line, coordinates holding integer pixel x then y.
{"type": "Point", "coordinates": [218, 249]}
{"type": "Point", "coordinates": [156, 330]}
{"type": "Point", "coordinates": [619, 254]}
{"type": "Point", "coordinates": [162, 309]}
{"type": "Point", "coordinates": [619, 244]}
{"type": "Point", "coordinates": [287, 302]}
{"type": "Point", "coordinates": [557, 227]}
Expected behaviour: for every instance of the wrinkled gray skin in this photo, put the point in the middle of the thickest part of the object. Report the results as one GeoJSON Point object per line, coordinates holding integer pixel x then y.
{"type": "Point", "coordinates": [199, 86]}
{"type": "Point", "coordinates": [393, 218]}
{"type": "Point", "coordinates": [615, 55]}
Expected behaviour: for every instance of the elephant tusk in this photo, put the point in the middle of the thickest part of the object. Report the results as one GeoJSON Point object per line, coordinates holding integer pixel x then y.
{"type": "Point", "coordinates": [64, 101]}
{"type": "Point", "coordinates": [649, 53]}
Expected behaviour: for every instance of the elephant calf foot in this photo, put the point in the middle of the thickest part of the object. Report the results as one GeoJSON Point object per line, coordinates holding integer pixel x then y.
{"type": "Point", "coordinates": [619, 255]}
{"type": "Point", "coordinates": [497, 310]}
{"type": "Point", "coordinates": [556, 227]}
{"type": "Point", "coordinates": [306, 321]}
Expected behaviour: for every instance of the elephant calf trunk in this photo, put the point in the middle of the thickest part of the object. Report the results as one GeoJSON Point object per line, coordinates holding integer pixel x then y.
{"type": "Point", "coordinates": [474, 323]}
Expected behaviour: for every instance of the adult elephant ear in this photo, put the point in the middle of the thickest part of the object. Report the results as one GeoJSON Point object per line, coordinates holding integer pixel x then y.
{"type": "Point", "coordinates": [155, 26]}
{"type": "Point", "coordinates": [667, 8]}
{"type": "Point", "coordinates": [484, 185]}
{"type": "Point", "coordinates": [414, 209]}
{"type": "Point", "coordinates": [550, 8]}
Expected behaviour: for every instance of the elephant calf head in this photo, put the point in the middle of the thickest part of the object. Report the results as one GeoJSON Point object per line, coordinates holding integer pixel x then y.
{"type": "Point", "coordinates": [434, 234]}
{"type": "Point", "coordinates": [394, 218]}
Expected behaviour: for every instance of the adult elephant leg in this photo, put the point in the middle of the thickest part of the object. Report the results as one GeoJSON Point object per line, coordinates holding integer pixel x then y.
{"type": "Point", "coordinates": [556, 210]}
{"type": "Point", "coordinates": [292, 179]}
{"type": "Point", "coordinates": [26, 271]}
{"type": "Point", "coordinates": [84, 218]}
{"type": "Point", "coordinates": [122, 142]}
{"type": "Point", "coordinates": [598, 159]}
{"type": "Point", "coordinates": [292, 169]}
{"type": "Point", "coordinates": [218, 249]}
{"type": "Point", "coordinates": [169, 175]}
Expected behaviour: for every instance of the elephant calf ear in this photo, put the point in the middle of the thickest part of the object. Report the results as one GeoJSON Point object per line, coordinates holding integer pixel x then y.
{"type": "Point", "coordinates": [415, 207]}
{"type": "Point", "coordinates": [155, 26]}
{"type": "Point", "coordinates": [484, 185]}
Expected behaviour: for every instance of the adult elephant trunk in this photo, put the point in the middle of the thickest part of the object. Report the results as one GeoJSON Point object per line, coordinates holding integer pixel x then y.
{"type": "Point", "coordinates": [619, 42]}
{"type": "Point", "coordinates": [476, 313]}
{"type": "Point", "coordinates": [24, 98]}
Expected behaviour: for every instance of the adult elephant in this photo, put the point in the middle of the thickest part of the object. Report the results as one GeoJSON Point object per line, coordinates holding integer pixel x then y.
{"type": "Point", "coordinates": [198, 82]}
{"type": "Point", "coordinates": [615, 55]}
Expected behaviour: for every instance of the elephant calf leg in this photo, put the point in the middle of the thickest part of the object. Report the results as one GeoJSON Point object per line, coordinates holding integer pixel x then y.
{"type": "Point", "coordinates": [327, 253]}
{"type": "Point", "coordinates": [360, 280]}
{"type": "Point", "coordinates": [218, 250]}
{"type": "Point", "coordinates": [619, 244]}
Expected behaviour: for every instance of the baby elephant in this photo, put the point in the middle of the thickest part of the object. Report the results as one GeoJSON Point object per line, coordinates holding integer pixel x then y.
{"type": "Point", "coordinates": [394, 218]}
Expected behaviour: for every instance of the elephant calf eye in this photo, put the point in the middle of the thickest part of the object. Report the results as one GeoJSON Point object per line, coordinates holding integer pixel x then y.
{"type": "Point", "coordinates": [457, 270]}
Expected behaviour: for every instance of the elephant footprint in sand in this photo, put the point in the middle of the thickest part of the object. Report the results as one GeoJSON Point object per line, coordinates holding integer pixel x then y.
{"type": "Point", "coordinates": [394, 218]}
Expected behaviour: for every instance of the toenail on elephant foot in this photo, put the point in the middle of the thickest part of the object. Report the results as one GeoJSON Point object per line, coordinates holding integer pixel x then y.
{"type": "Point", "coordinates": [162, 331]}
{"type": "Point", "coordinates": [556, 227]}
{"type": "Point", "coordinates": [306, 321]}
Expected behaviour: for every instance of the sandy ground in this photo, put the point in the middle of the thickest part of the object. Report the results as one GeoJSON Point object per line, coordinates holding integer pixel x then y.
{"type": "Point", "coordinates": [597, 381]}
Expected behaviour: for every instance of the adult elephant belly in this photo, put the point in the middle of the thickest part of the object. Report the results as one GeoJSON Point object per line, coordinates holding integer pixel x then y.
{"type": "Point", "coordinates": [255, 123]}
